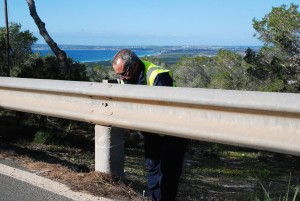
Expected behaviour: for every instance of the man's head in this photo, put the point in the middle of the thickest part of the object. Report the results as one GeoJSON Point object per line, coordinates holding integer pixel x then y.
{"type": "Point", "coordinates": [127, 65]}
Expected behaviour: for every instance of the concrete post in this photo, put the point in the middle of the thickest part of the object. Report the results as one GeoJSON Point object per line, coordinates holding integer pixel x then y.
{"type": "Point", "coordinates": [109, 150]}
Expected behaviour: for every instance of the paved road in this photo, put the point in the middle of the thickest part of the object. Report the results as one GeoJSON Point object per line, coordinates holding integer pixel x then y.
{"type": "Point", "coordinates": [16, 184]}
{"type": "Point", "coordinates": [15, 190]}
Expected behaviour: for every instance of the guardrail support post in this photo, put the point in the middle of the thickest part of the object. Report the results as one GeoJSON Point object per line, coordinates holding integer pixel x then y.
{"type": "Point", "coordinates": [109, 150]}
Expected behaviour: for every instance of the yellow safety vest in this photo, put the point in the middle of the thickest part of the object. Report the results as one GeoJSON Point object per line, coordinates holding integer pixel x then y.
{"type": "Point", "coordinates": [150, 73]}
{"type": "Point", "coordinates": [152, 70]}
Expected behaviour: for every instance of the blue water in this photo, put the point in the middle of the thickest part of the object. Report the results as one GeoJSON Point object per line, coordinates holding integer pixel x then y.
{"type": "Point", "coordinates": [94, 55]}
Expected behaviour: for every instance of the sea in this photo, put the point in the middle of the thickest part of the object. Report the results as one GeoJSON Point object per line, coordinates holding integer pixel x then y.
{"type": "Point", "coordinates": [91, 55]}
{"type": "Point", "coordinates": [85, 54]}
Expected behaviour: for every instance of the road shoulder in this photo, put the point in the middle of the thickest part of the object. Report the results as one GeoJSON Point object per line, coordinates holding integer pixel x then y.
{"type": "Point", "coordinates": [47, 184]}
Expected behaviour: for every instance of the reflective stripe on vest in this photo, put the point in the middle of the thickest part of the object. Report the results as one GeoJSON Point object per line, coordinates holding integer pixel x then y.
{"type": "Point", "coordinates": [152, 70]}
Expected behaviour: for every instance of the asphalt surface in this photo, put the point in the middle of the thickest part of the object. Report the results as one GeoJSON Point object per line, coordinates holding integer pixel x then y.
{"type": "Point", "coordinates": [15, 190]}
{"type": "Point", "coordinates": [12, 189]}
{"type": "Point", "coordinates": [18, 184]}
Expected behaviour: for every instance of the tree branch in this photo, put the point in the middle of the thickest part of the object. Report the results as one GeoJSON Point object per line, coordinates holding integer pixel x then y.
{"type": "Point", "coordinates": [60, 54]}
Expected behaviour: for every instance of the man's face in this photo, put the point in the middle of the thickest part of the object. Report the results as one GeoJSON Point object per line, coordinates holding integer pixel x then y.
{"type": "Point", "coordinates": [125, 73]}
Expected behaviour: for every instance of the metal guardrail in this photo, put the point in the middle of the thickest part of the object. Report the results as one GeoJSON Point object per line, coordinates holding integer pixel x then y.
{"type": "Point", "coordinates": [267, 121]}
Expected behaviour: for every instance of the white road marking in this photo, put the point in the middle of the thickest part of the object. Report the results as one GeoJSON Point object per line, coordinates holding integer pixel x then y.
{"type": "Point", "coordinates": [48, 184]}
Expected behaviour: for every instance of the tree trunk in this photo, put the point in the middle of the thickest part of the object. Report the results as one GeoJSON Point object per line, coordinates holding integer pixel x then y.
{"type": "Point", "coordinates": [60, 54]}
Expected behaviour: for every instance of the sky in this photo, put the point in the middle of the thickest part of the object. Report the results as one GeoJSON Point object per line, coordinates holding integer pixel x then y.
{"type": "Point", "coordinates": [144, 22]}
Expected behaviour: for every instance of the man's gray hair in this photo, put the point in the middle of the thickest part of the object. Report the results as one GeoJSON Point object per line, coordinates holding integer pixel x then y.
{"type": "Point", "coordinates": [128, 56]}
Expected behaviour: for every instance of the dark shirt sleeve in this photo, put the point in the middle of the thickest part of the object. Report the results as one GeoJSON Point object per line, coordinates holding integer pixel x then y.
{"type": "Point", "coordinates": [163, 79]}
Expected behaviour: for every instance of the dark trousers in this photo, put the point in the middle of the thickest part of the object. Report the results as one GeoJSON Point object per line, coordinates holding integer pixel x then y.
{"type": "Point", "coordinates": [164, 157]}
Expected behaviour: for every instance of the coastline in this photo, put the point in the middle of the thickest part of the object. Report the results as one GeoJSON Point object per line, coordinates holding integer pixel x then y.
{"type": "Point", "coordinates": [96, 55]}
{"type": "Point", "coordinates": [170, 54]}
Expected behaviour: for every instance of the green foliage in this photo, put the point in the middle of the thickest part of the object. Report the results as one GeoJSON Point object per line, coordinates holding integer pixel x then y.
{"type": "Point", "coordinates": [78, 71]}
{"type": "Point", "coordinates": [231, 71]}
{"type": "Point", "coordinates": [43, 137]}
{"type": "Point", "coordinates": [227, 70]}
{"type": "Point", "coordinates": [193, 72]}
{"type": "Point", "coordinates": [280, 28]}
{"type": "Point", "coordinates": [20, 47]}
{"type": "Point", "coordinates": [48, 68]}
{"type": "Point", "coordinates": [227, 60]}
{"type": "Point", "coordinates": [277, 65]}
{"type": "Point", "coordinates": [274, 86]}
{"type": "Point", "coordinates": [25, 64]}
{"type": "Point", "coordinates": [221, 80]}
{"type": "Point", "coordinates": [99, 73]}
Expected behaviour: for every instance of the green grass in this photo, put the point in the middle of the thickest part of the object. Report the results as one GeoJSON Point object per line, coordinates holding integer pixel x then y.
{"type": "Point", "coordinates": [290, 190]}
